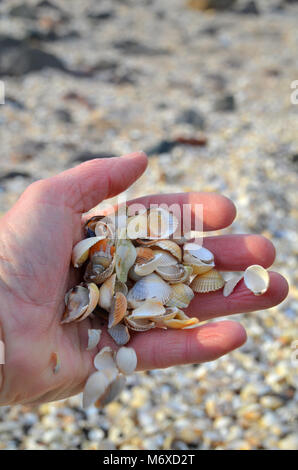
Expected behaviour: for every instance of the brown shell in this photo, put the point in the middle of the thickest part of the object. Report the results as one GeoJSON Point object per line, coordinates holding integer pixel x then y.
{"type": "Point", "coordinates": [118, 309]}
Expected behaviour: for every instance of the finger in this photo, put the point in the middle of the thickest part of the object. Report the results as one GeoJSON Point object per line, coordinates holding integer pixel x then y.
{"type": "Point", "coordinates": [214, 304]}
{"type": "Point", "coordinates": [237, 252]}
{"type": "Point", "coordinates": [164, 348]}
{"type": "Point", "coordinates": [87, 184]}
{"type": "Point", "coordinates": [218, 211]}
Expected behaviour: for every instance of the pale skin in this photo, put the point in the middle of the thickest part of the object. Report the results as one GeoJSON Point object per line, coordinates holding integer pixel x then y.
{"type": "Point", "coordinates": [36, 240]}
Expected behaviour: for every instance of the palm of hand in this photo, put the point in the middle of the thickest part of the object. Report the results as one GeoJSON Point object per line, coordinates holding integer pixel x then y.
{"type": "Point", "coordinates": [36, 242]}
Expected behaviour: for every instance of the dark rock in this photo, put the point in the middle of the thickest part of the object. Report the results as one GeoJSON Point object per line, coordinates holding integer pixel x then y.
{"type": "Point", "coordinates": [14, 103]}
{"type": "Point", "coordinates": [164, 146]}
{"type": "Point", "coordinates": [24, 11]}
{"type": "Point", "coordinates": [13, 174]}
{"type": "Point", "coordinates": [193, 117]}
{"type": "Point", "coordinates": [17, 61]}
{"type": "Point", "coordinates": [250, 8]}
{"type": "Point", "coordinates": [130, 46]}
{"type": "Point", "coordinates": [225, 103]}
{"type": "Point", "coordinates": [47, 4]}
{"type": "Point", "coordinates": [295, 158]}
{"type": "Point", "coordinates": [101, 15]}
{"type": "Point", "coordinates": [86, 156]}
{"type": "Point", "coordinates": [8, 41]}
{"type": "Point", "coordinates": [50, 36]}
{"type": "Point", "coordinates": [63, 115]}
{"type": "Point", "coordinates": [210, 30]}
{"type": "Point", "coordinates": [28, 150]}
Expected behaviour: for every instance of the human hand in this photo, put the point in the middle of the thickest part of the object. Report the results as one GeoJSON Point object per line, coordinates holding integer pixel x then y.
{"type": "Point", "coordinates": [36, 240]}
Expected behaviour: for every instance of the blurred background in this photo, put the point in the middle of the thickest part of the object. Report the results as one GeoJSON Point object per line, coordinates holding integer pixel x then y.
{"type": "Point", "coordinates": [205, 88]}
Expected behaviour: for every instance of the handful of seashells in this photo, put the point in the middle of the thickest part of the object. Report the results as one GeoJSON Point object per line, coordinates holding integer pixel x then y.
{"type": "Point", "coordinates": [137, 275]}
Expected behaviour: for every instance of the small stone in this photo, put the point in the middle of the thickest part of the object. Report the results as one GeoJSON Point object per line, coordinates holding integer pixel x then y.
{"type": "Point", "coordinates": [193, 117]}
{"type": "Point", "coordinates": [225, 103]}
{"type": "Point", "coordinates": [289, 442]}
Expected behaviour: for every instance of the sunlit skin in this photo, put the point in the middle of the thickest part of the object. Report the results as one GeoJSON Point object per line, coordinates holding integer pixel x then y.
{"type": "Point", "coordinates": [36, 240]}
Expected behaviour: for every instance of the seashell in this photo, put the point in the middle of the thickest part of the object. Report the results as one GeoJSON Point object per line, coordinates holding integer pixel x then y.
{"type": "Point", "coordinates": [126, 360]}
{"type": "Point", "coordinates": [181, 296]}
{"type": "Point", "coordinates": [208, 282]}
{"type": "Point", "coordinates": [125, 257]}
{"type": "Point", "coordinates": [102, 229]}
{"type": "Point", "coordinates": [181, 320]}
{"type": "Point", "coordinates": [80, 251]}
{"type": "Point", "coordinates": [96, 272]}
{"type": "Point", "coordinates": [174, 274]}
{"type": "Point", "coordinates": [119, 333]}
{"type": "Point", "coordinates": [132, 274]}
{"type": "Point", "coordinates": [104, 359]}
{"type": "Point", "coordinates": [137, 226]}
{"type": "Point", "coordinates": [118, 309]}
{"type": "Point", "coordinates": [161, 223]}
{"type": "Point", "coordinates": [149, 287]}
{"type": "Point", "coordinates": [256, 279]}
{"type": "Point", "coordinates": [93, 338]}
{"type": "Point", "coordinates": [138, 325]}
{"type": "Point", "coordinates": [114, 389]}
{"type": "Point", "coordinates": [166, 258]}
{"type": "Point", "coordinates": [170, 246]}
{"type": "Point", "coordinates": [149, 309]}
{"type": "Point", "coordinates": [96, 386]}
{"type": "Point", "coordinates": [121, 287]}
{"type": "Point", "coordinates": [106, 293]}
{"type": "Point", "coordinates": [144, 254]}
{"type": "Point", "coordinates": [104, 251]}
{"type": "Point", "coordinates": [201, 259]}
{"type": "Point", "coordinates": [170, 312]}
{"type": "Point", "coordinates": [81, 301]}
{"type": "Point", "coordinates": [231, 284]}
{"type": "Point", "coordinates": [148, 267]}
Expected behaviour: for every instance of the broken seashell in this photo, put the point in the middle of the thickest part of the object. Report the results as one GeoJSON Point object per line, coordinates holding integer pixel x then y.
{"type": "Point", "coordinates": [80, 251]}
{"type": "Point", "coordinates": [148, 267]}
{"type": "Point", "coordinates": [119, 333]}
{"type": "Point", "coordinates": [106, 293]}
{"type": "Point", "coordinates": [181, 321]}
{"type": "Point", "coordinates": [103, 229]}
{"type": "Point", "coordinates": [80, 302]}
{"type": "Point", "coordinates": [174, 274]}
{"type": "Point", "coordinates": [171, 247]}
{"type": "Point", "coordinates": [104, 250]}
{"type": "Point", "coordinates": [114, 389]}
{"type": "Point", "coordinates": [93, 338]}
{"type": "Point", "coordinates": [181, 296]}
{"type": "Point", "coordinates": [231, 284]}
{"type": "Point", "coordinates": [96, 272]}
{"type": "Point", "coordinates": [97, 386]}
{"type": "Point", "coordinates": [208, 282]}
{"type": "Point", "coordinates": [256, 279]}
{"type": "Point", "coordinates": [198, 257]}
{"type": "Point", "coordinates": [144, 254]}
{"type": "Point", "coordinates": [104, 360]}
{"type": "Point", "coordinates": [118, 309]}
{"type": "Point", "coordinates": [149, 309]}
{"type": "Point", "coordinates": [126, 360]}
{"type": "Point", "coordinates": [125, 257]}
{"type": "Point", "coordinates": [149, 287]}
{"type": "Point", "coordinates": [138, 324]}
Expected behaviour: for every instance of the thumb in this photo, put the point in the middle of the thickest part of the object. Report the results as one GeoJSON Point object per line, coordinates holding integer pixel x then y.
{"type": "Point", "coordinates": [91, 182]}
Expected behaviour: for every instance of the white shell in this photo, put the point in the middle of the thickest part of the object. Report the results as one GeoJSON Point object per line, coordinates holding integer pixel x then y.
{"type": "Point", "coordinates": [148, 309]}
{"type": "Point", "coordinates": [119, 333]}
{"type": "Point", "coordinates": [80, 251]}
{"type": "Point", "coordinates": [104, 360]}
{"type": "Point", "coordinates": [106, 292]}
{"type": "Point", "coordinates": [256, 279]}
{"type": "Point", "coordinates": [161, 223]}
{"type": "Point", "coordinates": [231, 284]}
{"type": "Point", "coordinates": [93, 338]}
{"type": "Point", "coordinates": [148, 268]}
{"type": "Point", "coordinates": [126, 360]}
{"type": "Point", "coordinates": [199, 252]}
{"type": "Point", "coordinates": [114, 390]}
{"type": "Point", "coordinates": [149, 287]}
{"type": "Point", "coordinates": [96, 386]}
{"type": "Point", "coordinates": [125, 257]}
{"type": "Point", "coordinates": [181, 296]}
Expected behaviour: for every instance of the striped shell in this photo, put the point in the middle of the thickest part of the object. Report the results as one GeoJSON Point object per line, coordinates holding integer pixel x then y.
{"type": "Point", "coordinates": [181, 296]}
{"type": "Point", "coordinates": [208, 282]}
